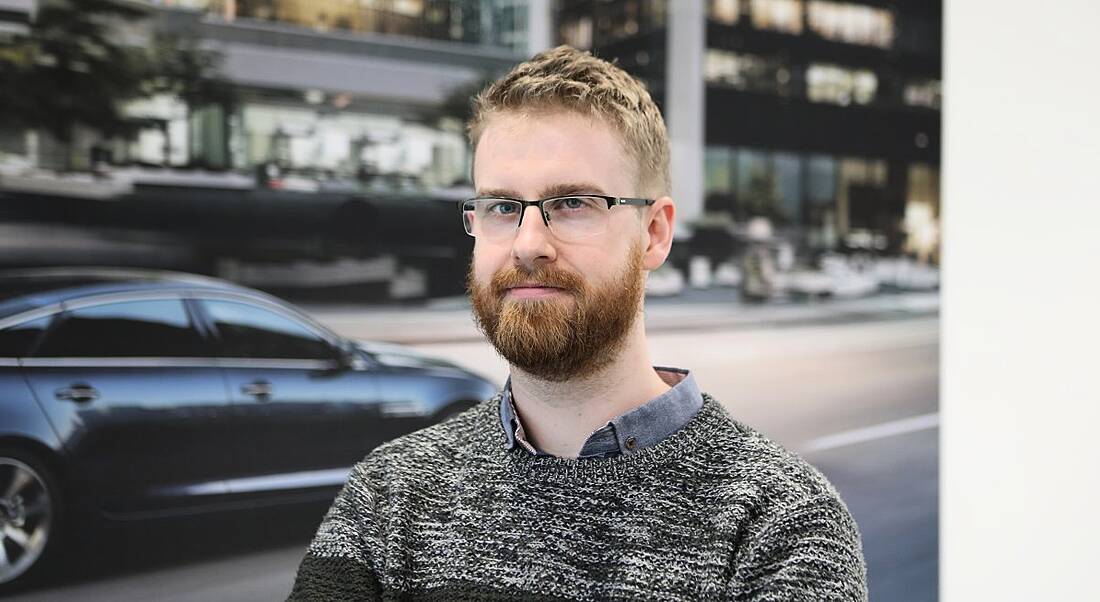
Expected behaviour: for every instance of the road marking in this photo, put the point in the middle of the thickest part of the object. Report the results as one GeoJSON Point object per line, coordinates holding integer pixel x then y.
{"type": "Point", "coordinates": [878, 431]}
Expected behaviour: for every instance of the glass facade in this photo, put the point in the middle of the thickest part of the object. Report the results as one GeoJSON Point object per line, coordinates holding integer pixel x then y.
{"type": "Point", "coordinates": [501, 23]}
{"type": "Point", "coordinates": [837, 21]}
{"type": "Point", "coordinates": [321, 138]}
{"type": "Point", "coordinates": [747, 72]}
{"type": "Point", "coordinates": [851, 23]}
{"type": "Point", "coordinates": [580, 24]}
{"type": "Point", "coordinates": [821, 179]}
{"type": "Point", "coordinates": [844, 75]}
{"type": "Point", "coordinates": [724, 11]}
{"type": "Point", "coordinates": [923, 93]}
{"type": "Point", "coordinates": [922, 212]}
{"type": "Point", "coordinates": [777, 73]}
{"type": "Point", "coordinates": [719, 170]}
{"type": "Point", "coordinates": [788, 184]}
{"type": "Point", "coordinates": [350, 146]}
{"type": "Point", "coordinates": [777, 15]}
{"type": "Point", "coordinates": [822, 194]}
{"type": "Point", "coordinates": [840, 85]}
{"type": "Point", "coordinates": [744, 182]}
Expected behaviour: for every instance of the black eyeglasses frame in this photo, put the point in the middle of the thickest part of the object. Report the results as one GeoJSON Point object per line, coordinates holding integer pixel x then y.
{"type": "Point", "coordinates": [541, 204]}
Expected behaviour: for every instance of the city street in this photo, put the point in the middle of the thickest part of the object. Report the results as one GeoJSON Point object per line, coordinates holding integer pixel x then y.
{"type": "Point", "coordinates": [858, 398]}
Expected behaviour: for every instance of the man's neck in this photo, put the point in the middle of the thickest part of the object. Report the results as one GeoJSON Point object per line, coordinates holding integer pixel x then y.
{"type": "Point", "coordinates": [558, 416]}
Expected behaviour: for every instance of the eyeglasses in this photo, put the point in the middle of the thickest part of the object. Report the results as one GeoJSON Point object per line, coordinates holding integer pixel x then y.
{"type": "Point", "coordinates": [572, 217]}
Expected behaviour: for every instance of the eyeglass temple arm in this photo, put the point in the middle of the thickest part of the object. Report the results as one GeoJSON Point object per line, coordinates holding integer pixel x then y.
{"type": "Point", "coordinates": [638, 202]}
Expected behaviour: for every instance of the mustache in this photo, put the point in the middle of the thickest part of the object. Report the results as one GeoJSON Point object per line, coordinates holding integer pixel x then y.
{"type": "Point", "coordinates": [513, 276]}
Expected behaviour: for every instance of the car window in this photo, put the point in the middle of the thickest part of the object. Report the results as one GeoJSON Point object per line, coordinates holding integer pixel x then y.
{"type": "Point", "coordinates": [16, 341]}
{"type": "Point", "coordinates": [246, 330]}
{"type": "Point", "coordinates": [151, 328]}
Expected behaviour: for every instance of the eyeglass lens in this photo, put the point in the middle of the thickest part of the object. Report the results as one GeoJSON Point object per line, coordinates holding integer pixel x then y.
{"type": "Point", "coordinates": [570, 217]}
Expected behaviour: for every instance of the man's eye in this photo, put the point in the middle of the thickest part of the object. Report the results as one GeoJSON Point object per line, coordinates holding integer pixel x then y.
{"type": "Point", "coordinates": [575, 203]}
{"type": "Point", "coordinates": [502, 208]}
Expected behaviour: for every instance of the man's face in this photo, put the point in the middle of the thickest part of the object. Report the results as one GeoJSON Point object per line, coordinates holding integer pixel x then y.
{"type": "Point", "coordinates": [553, 309]}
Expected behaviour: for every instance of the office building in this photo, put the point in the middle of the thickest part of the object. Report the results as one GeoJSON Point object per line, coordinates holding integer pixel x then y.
{"type": "Point", "coordinates": [823, 116]}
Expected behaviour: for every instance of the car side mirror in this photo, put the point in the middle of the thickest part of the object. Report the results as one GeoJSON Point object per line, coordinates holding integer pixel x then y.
{"type": "Point", "coordinates": [347, 357]}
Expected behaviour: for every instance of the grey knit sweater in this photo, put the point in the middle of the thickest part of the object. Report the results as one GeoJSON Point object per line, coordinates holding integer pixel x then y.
{"type": "Point", "coordinates": [714, 512]}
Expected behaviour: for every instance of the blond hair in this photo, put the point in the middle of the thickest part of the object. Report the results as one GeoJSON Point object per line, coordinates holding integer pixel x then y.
{"type": "Point", "coordinates": [565, 78]}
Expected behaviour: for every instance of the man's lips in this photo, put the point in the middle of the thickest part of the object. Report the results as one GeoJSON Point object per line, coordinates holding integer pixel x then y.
{"type": "Point", "coordinates": [533, 290]}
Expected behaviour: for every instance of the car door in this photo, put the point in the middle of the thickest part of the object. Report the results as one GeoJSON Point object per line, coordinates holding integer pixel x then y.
{"type": "Point", "coordinates": [141, 407]}
{"type": "Point", "coordinates": [302, 415]}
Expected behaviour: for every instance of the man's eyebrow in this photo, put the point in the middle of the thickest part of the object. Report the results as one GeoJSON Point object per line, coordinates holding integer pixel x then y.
{"type": "Point", "coordinates": [498, 192]}
{"type": "Point", "coordinates": [550, 191]}
{"type": "Point", "coordinates": [571, 188]}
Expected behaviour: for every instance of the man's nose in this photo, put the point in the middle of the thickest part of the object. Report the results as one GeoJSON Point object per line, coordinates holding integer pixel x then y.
{"type": "Point", "coordinates": [534, 243]}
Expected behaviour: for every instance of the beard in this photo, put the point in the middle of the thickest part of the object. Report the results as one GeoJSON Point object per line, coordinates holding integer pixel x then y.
{"type": "Point", "coordinates": [561, 337]}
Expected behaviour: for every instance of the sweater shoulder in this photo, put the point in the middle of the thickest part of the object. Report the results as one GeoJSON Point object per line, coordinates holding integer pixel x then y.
{"type": "Point", "coordinates": [438, 444]}
{"type": "Point", "coordinates": [738, 453]}
{"type": "Point", "coordinates": [772, 470]}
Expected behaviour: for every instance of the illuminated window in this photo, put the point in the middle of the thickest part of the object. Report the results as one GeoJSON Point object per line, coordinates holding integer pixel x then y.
{"type": "Point", "coordinates": [853, 170]}
{"type": "Point", "coordinates": [718, 169]}
{"type": "Point", "coordinates": [851, 23]}
{"type": "Point", "coordinates": [779, 15]}
{"type": "Point", "coordinates": [657, 11]}
{"type": "Point", "coordinates": [408, 8]}
{"type": "Point", "coordinates": [861, 185]}
{"type": "Point", "coordinates": [923, 93]}
{"type": "Point", "coordinates": [924, 185]}
{"type": "Point", "coordinates": [749, 72]}
{"type": "Point", "coordinates": [837, 85]}
{"type": "Point", "coordinates": [725, 11]}
{"type": "Point", "coordinates": [499, 23]}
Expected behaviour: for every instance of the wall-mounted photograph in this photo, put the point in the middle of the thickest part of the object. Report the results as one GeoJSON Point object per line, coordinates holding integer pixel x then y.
{"type": "Point", "coordinates": [245, 243]}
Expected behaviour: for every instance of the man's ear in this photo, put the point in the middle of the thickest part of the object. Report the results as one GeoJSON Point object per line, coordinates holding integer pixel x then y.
{"type": "Point", "coordinates": [660, 218]}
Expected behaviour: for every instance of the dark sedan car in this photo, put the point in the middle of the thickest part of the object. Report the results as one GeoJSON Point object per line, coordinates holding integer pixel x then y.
{"type": "Point", "coordinates": [130, 394]}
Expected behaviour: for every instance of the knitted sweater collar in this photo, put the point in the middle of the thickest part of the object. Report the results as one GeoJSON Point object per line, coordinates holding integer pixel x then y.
{"type": "Point", "coordinates": [489, 443]}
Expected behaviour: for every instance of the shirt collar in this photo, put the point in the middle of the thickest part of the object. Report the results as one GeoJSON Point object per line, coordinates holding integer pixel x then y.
{"type": "Point", "coordinates": [641, 427]}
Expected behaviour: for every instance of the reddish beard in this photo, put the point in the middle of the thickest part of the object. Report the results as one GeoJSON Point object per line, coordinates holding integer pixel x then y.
{"type": "Point", "coordinates": [560, 337]}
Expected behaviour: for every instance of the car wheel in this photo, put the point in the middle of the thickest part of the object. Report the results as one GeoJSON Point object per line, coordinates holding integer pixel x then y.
{"type": "Point", "coordinates": [30, 517]}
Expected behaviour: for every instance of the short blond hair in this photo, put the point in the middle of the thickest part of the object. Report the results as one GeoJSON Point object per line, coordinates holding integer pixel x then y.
{"type": "Point", "coordinates": [565, 78]}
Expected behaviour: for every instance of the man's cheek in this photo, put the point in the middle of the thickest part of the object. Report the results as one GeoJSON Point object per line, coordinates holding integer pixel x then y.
{"type": "Point", "coordinates": [483, 274]}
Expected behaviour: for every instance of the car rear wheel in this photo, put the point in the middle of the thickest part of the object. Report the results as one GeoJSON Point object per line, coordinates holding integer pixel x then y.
{"type": "Point", "coordinates": [29, 517]}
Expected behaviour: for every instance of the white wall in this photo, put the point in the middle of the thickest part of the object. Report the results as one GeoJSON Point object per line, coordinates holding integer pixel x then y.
{"type": "Point", "coordinates": [1021, 395]}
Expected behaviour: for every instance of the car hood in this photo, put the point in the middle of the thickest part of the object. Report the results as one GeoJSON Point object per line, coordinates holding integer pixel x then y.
{"type": "Point", "coordinates": [392, 354]}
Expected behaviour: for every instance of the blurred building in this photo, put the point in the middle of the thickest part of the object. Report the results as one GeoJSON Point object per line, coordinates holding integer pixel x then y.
{"type": "Point", "coordinates": [328, 90]}
{"type": "Point", "coordinates": [331, 89]}
{"type": "Point", "coordinates": [339, 142]}
{"type": "Point", "coordinates": [15, 15]}
{"type": "Point", "coordinates": [823, 116]}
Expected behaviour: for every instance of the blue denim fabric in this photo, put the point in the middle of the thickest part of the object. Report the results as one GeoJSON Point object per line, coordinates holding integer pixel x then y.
{"type": "Point", "coordinates": [635, 430]}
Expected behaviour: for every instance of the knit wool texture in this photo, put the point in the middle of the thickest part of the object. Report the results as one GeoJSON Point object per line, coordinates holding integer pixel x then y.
{"type": "Point", "coordinates": [714, 512]}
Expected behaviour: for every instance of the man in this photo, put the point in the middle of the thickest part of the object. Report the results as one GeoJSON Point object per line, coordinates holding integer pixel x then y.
{"type": "Point", "coordinates": [593, 475]}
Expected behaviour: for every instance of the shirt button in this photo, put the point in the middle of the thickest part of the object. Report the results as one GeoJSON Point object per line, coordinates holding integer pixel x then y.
{"type": "Point", "coordinates": [631, 443]}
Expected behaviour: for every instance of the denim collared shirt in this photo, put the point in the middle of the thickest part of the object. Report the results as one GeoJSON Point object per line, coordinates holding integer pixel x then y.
{"type": "Point", "coordinates": [635, 430]}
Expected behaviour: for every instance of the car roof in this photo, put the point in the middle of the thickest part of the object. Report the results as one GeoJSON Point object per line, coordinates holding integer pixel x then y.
{"type": "Point", "coordinates": [29, 288]}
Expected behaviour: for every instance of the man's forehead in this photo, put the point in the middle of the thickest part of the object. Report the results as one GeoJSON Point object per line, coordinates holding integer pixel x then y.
{"type": "Point", "coordinates": [550, 155]}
